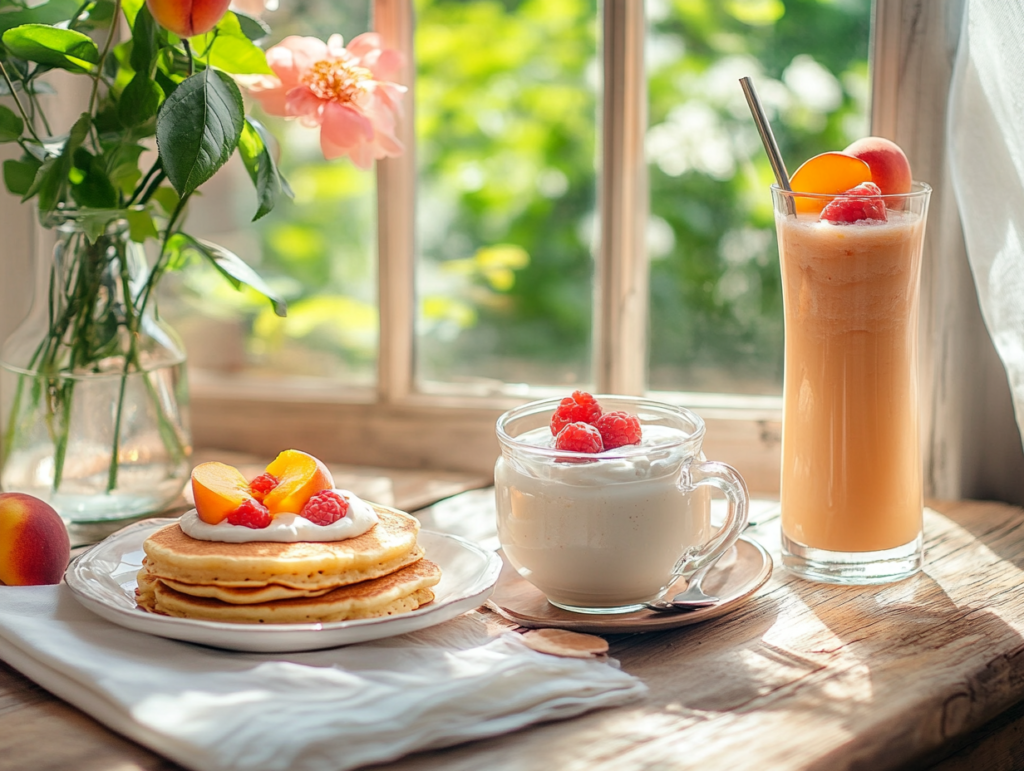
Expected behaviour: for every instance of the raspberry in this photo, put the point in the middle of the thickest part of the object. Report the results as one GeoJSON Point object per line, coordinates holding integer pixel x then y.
{"type": "Point", "coordinates": [263, 484]}
{"type": "Point", "coordinates": [581, 407]}
{"type": "Point", "coordinates": [618, 429]}
{"type": "Point", "coordinates": [857, 203]}
{"type": "Point", "coordinates": [325, 508]}
{"type": "Point", "coordinates": [252, 514]}
{"type": "Point", "coordinates": [579, 437]}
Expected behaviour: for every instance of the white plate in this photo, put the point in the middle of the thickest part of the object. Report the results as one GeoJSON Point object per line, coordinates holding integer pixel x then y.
{"type": "Point", "coordinates": [103, 580]}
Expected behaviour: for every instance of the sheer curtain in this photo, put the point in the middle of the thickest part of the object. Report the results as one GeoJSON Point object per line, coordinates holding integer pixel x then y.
{"type": "Point", "coordinates": [986, 155]}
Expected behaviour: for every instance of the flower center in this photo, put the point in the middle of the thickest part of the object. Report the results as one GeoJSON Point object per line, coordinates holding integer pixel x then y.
{"type": "Point", "coordinates": [336, 80]}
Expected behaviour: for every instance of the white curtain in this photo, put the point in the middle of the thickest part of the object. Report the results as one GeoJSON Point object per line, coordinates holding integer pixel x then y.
{"type": "Point", "coordinates": [986, 152]}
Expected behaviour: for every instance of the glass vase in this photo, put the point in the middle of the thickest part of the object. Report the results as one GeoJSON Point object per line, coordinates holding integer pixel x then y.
{"type": "Point", "coordinates": [93, 394]}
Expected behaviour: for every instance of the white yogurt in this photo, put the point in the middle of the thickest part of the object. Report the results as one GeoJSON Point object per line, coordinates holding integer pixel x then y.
{"type": "Point", "coordinates": [600, 533]}
{"type": "Point", "coordinates": [286, 528]}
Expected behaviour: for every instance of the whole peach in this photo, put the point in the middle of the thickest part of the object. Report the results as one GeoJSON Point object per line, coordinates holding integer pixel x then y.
{"type": "Point", "coordinates": [186, 18]}
{"type": "Point", "coordinates": [34, 544]}
{"type": "Point", "coordinates": [890, 169]}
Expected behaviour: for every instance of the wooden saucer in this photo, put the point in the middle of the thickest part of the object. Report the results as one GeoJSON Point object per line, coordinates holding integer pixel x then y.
{"type": "Point", "coordinates": [742, 571]}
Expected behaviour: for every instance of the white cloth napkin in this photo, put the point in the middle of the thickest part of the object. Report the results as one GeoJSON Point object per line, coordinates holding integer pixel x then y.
{"type": "Point", "coordinates": [336, 709]}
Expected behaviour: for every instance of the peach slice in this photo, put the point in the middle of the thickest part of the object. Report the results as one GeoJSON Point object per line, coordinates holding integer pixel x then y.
{"type": "Point", "coordinates": [890, 169]}
{"type": "Point", "coordinates": [218, 489]}
{"type": "Point", "coordinates": [301, 477]}
{"type": "Point", "coordinates": [828, 173]}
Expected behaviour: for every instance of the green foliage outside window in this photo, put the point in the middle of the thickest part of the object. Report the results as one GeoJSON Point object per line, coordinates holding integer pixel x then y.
{"type": "Point", "coordinates": [507, 109]}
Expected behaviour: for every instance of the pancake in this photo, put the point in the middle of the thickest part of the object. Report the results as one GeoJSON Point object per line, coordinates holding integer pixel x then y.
{"type": "Point", "coordinates": [399, 592]}
{"type": "Point", "coordinates": [305, 566]}
{"type": "Point", "coordinates": [251, 595]}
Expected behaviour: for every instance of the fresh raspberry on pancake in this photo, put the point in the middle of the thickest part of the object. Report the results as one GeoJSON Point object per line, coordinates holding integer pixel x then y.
{"type": "Point", "coordinates": [581, 407]}
{"type": "Point", "coordinates": [325, 508]}
{"type": "Point", "coordinates": [252, 514]}
{"type": "Point", "coordinates": [262, 485]}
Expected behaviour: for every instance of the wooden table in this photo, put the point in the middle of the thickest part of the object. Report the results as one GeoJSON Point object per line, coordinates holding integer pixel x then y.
{"type": "Point", "coordinates": [927, 671]}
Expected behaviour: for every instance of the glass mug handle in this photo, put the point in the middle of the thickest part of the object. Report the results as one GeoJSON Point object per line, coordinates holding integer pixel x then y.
{"type": "Point", "coordinates": [698, 473]}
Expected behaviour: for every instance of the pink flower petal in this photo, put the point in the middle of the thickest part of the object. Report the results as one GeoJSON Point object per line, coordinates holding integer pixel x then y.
{"type": "Point", "coordinates": [344, 126]}
{"type": "Point", "coordinates": [302, 103]}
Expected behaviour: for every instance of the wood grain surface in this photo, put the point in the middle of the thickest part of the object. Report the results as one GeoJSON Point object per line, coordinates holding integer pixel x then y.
{"type": "Point", "coordinates": [803, 676]}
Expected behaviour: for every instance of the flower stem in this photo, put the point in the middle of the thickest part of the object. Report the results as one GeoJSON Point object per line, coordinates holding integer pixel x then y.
{"type": "Point", "coordinates": [21, 107]}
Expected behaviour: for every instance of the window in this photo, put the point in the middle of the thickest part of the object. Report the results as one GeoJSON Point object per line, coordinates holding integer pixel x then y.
{"type": "Point", "coordinates": [390, 397]}
{"type": "Point", "coordinates": [528, 172]}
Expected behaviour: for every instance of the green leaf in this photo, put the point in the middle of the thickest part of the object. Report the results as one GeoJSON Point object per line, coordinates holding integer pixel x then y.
{"type": "Point", "coordinates": [43, 44]}
{"type": "Point", "coordinates": [11, 125]}
{"type": "Point", "coordinates": [19, 175]}
{"type": "Point", "coordinates": [228, 48]}
{"type": "Point", "coordinates": [93, 190]}
{"type": "Point", "coordinates": [198, 128]}
{"type": "Point", "coordinates": [144, 42]}
{"type": "Point", "coordinates": [253, 147]}
{"type": "Point", "coordinates": [52, 178]}
{"type": "Point", "coordinates": [236, 271]}
{"type": "Point", "coordinates": [122, 162]}
{"type": "Point", "coordinates": [252, 27]}
{"type": "Point", "coordinates": [167, 198]}
{"type": "Point", "coordinates": [53, 12]}
{"type": "Point", "coordinates": [131, 10]}
{"type": "Point", "coordinates": [140, 225]}
{"type": "Point", "coordinates": [140, 101]}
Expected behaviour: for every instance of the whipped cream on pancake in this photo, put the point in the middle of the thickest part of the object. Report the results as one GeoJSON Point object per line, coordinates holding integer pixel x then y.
{"type": "Point", "coordinates": [286, 528]}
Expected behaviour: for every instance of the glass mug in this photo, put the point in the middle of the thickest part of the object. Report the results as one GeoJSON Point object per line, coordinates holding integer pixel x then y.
{"type": "Point", "coordinates": [851, 490]}
{"type": "Point", "coordinates": [603, 533]}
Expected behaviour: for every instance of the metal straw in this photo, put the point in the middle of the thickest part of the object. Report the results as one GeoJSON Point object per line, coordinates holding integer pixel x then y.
{"type": "Point", "coordinates": [765, 130]}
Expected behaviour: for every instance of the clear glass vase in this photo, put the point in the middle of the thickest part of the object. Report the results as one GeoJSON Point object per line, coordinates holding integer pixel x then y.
{"type": "Point", "coordinates": [93, 395]}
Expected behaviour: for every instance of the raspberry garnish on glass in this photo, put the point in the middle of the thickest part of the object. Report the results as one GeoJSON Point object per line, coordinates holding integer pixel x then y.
{"type": "Point", "coordinates": [252, 514]}
{"type": "Point", "coordinates": [618, 429]}
{"type": "Point", "coordinates": [581, 407]}
{"type": "Point", "coordinates": [325, 508]}
{"type": "Point", "coordinates": [579, 437]}
{"type": "Point", "coordinates": [856, 204]}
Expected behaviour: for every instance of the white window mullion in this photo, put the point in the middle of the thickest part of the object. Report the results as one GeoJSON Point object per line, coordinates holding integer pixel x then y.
{"type": "Point", "coordinates": [621, 294]}
{"type": "Point", "coordinates": [396, 219]}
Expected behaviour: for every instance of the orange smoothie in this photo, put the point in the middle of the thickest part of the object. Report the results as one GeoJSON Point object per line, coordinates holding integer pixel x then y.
{"type": "Point", "coordinates": [851, 460]}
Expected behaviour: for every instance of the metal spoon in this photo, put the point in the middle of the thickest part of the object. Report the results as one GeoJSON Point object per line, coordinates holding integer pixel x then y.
{"type": "Point", "coordinates": [692, 598]}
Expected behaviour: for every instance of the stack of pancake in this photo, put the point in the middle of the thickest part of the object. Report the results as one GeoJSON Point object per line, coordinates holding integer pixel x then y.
{"type": "Point", "coordinates": [379, 573]}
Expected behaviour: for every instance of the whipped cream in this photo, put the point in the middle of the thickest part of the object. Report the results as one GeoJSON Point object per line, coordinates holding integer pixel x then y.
{"type": "Point", "coordinates": [660, 451]}
{"type": "Point", "coordinates": [286, 528]}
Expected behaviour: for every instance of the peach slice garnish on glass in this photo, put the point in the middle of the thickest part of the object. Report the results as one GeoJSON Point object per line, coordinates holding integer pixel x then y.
{"type": "Point", "coordinates": [301, 476]}
{"type": "Point", "coordinates": [830, 174]}
{"type": "Point", "coordinates": [218, 489]}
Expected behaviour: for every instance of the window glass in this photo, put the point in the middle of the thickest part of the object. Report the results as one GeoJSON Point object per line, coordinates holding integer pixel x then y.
{"type": "Point", "coordinates": [716, 305]}
{"type": "Point", "coordinates": [319, 251]}
{"type": "Point", "coordinates": [506, 115]}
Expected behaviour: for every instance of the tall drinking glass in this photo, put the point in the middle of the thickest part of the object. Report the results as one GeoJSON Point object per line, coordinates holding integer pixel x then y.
{"type": "Point", "coordinates": [851, 459]}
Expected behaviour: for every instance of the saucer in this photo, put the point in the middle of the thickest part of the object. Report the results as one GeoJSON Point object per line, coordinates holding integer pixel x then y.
{"type": "Point", "coordinates": [739, 573]}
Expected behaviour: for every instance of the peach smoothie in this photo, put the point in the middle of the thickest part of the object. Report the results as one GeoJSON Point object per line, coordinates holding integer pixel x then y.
{"type": "Point", "coordinates": [851, 462]}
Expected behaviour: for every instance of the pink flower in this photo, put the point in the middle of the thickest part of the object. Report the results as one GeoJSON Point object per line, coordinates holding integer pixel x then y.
{"type": "Point", "coordinates": [344, 91]}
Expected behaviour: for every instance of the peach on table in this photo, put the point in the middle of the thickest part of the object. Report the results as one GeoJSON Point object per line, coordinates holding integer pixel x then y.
{"type": "Point", "coordinates": [34, 544]}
